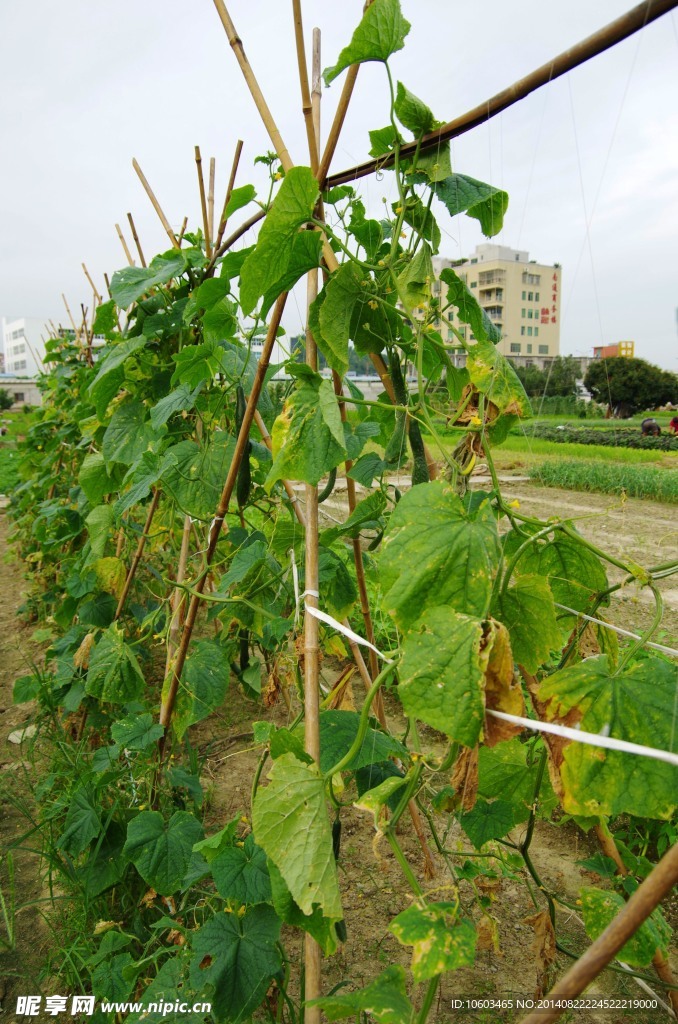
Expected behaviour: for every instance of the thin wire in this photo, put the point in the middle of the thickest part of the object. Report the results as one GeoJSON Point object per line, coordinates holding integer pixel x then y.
{"type": "Point", "coordinates": [618, 629]}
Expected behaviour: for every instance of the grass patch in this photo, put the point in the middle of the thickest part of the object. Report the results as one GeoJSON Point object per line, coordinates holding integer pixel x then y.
{"type": "Point", "coordinates": [607, 478]}
{"type": "Point", "coordinates": [613, 437]}
{"type": "Point", "coordinates": [538, 446]}
{"type": "Point", "coordinates": [8, 469]}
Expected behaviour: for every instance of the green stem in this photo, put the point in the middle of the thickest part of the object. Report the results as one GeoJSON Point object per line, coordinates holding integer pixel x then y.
{"type": "Point", "coordinates": [422, 1016]}
{"type": "Point", "coordinates": [364, 722]}
{"type": "Point", "coordinates": [402, 861]}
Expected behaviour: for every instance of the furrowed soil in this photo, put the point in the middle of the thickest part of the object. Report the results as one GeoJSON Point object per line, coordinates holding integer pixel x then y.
{"type": "Point", "coordinates": [373, 888]}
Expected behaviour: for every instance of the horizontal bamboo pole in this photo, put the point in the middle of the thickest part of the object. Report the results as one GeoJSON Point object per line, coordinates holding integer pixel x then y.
{"type": "Point", "coordinates": [611, 34]}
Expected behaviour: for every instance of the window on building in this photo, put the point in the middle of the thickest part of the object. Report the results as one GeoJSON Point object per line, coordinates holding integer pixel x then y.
{"type": "Point", "coordinates": [536, 332]}
{"type": "Point", "coordinates": [529, 332]}
{"type": "Point", "coordinates": [529, 349]}
{"type": "Point", "coordinates": [515, 346]}
{"type": "Point", "coordinates": [529, 314]}
{"type": "Point", "coordinates": [530, 296]}
{"type": "Point", "coordinates": [543, 350]}
{"type": "Point", "coordinates": [522, 313]}
{"type": "Point", "coordinates": [524, 294]}
{"type": "Point", "coordinates": [474, 284]}
{"type": "Point", "coordinates": [19, 396]}
{"type": "Point", "coordinates": [522, 329]}
{"type": "Point", "coordinates": [536, 296]}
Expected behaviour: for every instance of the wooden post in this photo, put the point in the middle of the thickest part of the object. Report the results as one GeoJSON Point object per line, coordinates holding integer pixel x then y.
{"type": "Point", "coordinates": [156, 205]}
{"type": "Point", "coordinates": [136, 239]}
{"type": "Point", "coordinates": [210, 196]}
{"type": "Point", "coordinates": [138, 553]}
{"type": "Point", "coordinates": [231, 182]}
{"type": "Point", "coordinates": [94, 288]}
{"type": "Point", "coordinates": [184, 225]}
{"type": "Point", "coordinates": [123, 243]}
{"type": "Point", "coordinates": [203, 203]}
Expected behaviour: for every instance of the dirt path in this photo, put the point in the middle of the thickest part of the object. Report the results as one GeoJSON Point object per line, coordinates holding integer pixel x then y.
{"type": "Point", "coordinates": [20, 963]}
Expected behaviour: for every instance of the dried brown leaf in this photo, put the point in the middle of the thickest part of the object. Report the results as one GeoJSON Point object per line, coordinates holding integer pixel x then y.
{"type": "Point", "coordinates": [543, 948]}
{"type": "Point", "coordinates": [464, 779]}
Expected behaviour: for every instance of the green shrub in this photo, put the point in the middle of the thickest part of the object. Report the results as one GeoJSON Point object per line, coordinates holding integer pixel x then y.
{"type": "Point", "coordinates": [608, 478]}
{"type": "Point", "coordinates": [616, 437]}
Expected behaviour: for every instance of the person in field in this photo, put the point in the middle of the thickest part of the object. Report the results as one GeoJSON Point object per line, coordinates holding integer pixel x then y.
{"type": "Point", "coordinates": [673, 425]}
{"type": "Point", "coordinates": [650, 428]}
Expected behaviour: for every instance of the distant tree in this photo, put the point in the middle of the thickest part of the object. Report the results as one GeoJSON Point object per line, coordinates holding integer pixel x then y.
{"type": "Point", "coordinates": [628, 386]}
{"type": "Point", "coordinates": [6, 400]}
{"type": "Point", "coordinates": [561, 378]}
{"type": "Point", "coordinates": [532, 379]}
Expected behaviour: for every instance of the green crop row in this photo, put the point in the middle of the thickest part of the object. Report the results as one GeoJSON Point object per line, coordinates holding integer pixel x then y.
{"type": "Point", "coordinates": [538, 446]}
{"type": "Point", "coordinates": [616, 437]}
{"type": "Point", "coordinates": [606, 478]}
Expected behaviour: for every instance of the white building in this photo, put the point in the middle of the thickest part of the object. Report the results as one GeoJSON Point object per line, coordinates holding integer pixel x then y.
{"type": "Point", "coordinates": [23, 346]}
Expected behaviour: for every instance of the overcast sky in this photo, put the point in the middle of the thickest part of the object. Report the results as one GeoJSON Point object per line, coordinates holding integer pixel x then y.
{"type": "Point", "coordinates": [590, 162]}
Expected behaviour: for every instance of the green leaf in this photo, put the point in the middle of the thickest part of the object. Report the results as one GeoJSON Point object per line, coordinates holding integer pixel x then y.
{"type": "Point", "coordinates": [321, 928]}
{"type": "Point", "coordinates": [292, 207]}
{"type": "Point", "coordinates": [488, 821]}
{"type": "Point", "coordinates": [637, 705]}
{"type": "Point", "coordinates": [441, 678]}
{"type": "Point", "coordinates": [357, 435]}
{"type": "Point", "coordinates": [199, 364]}
{"type": "Point", "coordinates": [240, 874]}
{"type": "Point", "coordinates": [367, 468]}
{"type": "Point", "coordinates": [136, 732]}
{"type": "Point", "coordinates": [114, 673]}
{"type": "Point", "coordinates": [115, 977]}
{"type": "Point", "coordinates": [412, 113]}
{"type": "Point", "coordinates": [99, 523]}
{"type": "Point", "coordinates": [415, 280]}
{"type": "Point", "coordinates": [308, 438]}
{"type": "Point", "coordinates": [130, 284]}
{"type": "Point", "coordinates": [599, 910]}
{"type": "Point", "coordinates": [383, 140]}
{"type": "Point", "coordinates": [142, 476]}
{"type": "Point", "coordinates": [129, 434]}
{"type": "Point", "coordinates": [575, 574]}
{"type": "Point", "coordinates": [114, 356]}
{"type": "Point", "coordinates": [338, 730]}
{"type": "Point", "coordinates": [194, 475]}
{"type": "Point", "coordinates": [494, 376]}
{"type": "Point", "coordinates": [237, 957]}
{"type": "Point", "coordinates": [305, 255]}
{"type": "Point", "coordinates": [104, 390]}
{"type": "Point", "coordinates": [239, 197]}
{"type": "Point", "coordinates": [291, 825]}
{"type": "Point", "coordinates": [336, 583]}
{"type": "Point", "coordinates": [211, 847]}
{"type": "Point", "coordinates": [179, 400]}
{"type": "Point", "coordinates": [106, 319]}
{"type": "Point", "coordinates": [82, 823]}
{"type": "Point", "coordinates": [528, 612]}
{"type": "Point", "coordinates": [468, 309]}
{"type": "Point", "coordinates": [381, 32]}
{"type": "Point", "coordinates": [462, 194]}
{"type": "Point", "coordinates": [169, 985]}
{"type": "Point", "coordinates": [203, 687]}
{"type": "Point", "coordinates": [161, 850]}
{"type": "Point", "coordinates": [332, 312]}
{"type": "Point", "coordinates": [421, 219]}
{"type": "Point", "coordinates": [384, 999]}
{"type": "Point", "coordinates": [503, 771]}
{"type": "Point", "coordinates": [366, 515]}
{"type": "Point", "coordinates": [94, 478]}
{"type": "Point", "coordinates": [451, 562]}
{"type": "Point", "coordinates": [25, 688]}
{"type": "Point", "coordinates": [441, 942]}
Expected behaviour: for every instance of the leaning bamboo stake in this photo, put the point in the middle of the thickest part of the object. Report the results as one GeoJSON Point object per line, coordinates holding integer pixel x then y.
{"type": "Point", "coordinates": [76, 332]}
{"type": "Point", "coordinates": [216, 525]}
{"type": "Point", "coordinates": [210, 196]}
{"type": "Point", "coordinates": [136, 239]}
{"type": "Point", "coordinates": [94, 288]}
{"type": "Point", "coordinates": [156, 205]}
{"type": "Point", "coordinates": [312, 133]}
{"type": "Point", "coordinates": [137, 554]}
{"type": "Point", "coordinates": [128, 254]}
{"type": "Point", "coordinates": [203, 203]}
{"type": "Point", "coordinates": [338, 123]}
{"type": "Point", "coordinates": [184, 225]}
{"type": "Point", "coordinates": [231, 182]}
{"type": "Point", "coordinates": [644, 900]}
{"type": "Point", "coordinates": [178, 599]}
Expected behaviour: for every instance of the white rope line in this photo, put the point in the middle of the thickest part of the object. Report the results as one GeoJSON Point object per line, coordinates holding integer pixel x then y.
{"type": "Point", "coordinates": [578, 735]}
{"type": "Point", "coordinates": [591, 738]}
{"type": "Point", "coordinates": [617, 629]}
{"type": "Point", "coordinates": [324, 617]}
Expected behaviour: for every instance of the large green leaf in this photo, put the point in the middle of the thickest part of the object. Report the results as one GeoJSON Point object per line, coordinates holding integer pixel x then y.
{"type": "Point", "coordinates": [381, 32]}
{"type": "Point", "coordinates": [366, 515]}
{"type": "Point", "coordinates": [526, 608]}
{"type": "Point", "coordinates": [161, 850]}
{"type": "Point", "coordinates": [136, 732]}
{"type": "Point", "coordinates": [441, 678]}
{"type": "Point", "coordinates": [106, 319]}
{"type": "Point", "coordinates": [198, 364]}
{"type": "Point", "coordinates": [180, 399]}
{"type": "Point", "coordinates": [384, 999]}
{"type": "Point", "coordinates": [637, 705]}
{"type": "Point", "coordinates": [82, 823]}
{"type": "Point", "coordinates": [304, 256]}
{"type": "Point", "coordinates": [494, 376]}
{"type": "Point", "coordinates": [130, 284]}
{"type": "Point", "coordinates": [237, 958]}
{"type": "Point", "coordinates": [414, 282]}
{"type": "Point", "coordinates": [169, 986]}
{"type": "Point", "coordinates": [321, 928]}
{"type": "Point", "coordinates": [291, 824]}
{"type": "Point", "coordinates": [194, 475]}
{"type": "Point", "coordinates": [129, 434]}
{"type": "Point", "coordinates": [440, 940]}
{"type": "Point", "coordinates": [462, 194]}
{"type": "Point", "coordinates": [115, 355]}
{"type": "Point", "coordinates": [338, 590]}
{"type": "Point", "coordinates": [332, 313]}
{"type": "Point", "coordinates": [437, 553]}
{"type": "Point", "coordinates": [487, 821]}
{"type": "Point", "coordinates": [94, 478]}
{"type": "Point", "coordinates": [600, 908]}
{"type": "Point", "coordinates": [505, 771]}
{"type": "Point", "coordinates": [338, 730]}
{"type": "Point", "coordinates": [99, 523]}
{"type": "Point", "coordinates": [574, 572]}
{"type": "Point", "coordinates": [114, 673]}
{"type": "Point", "coordinates": [413, 113]}
{"type": "Point", "coordinates": [468, 308]}
{"type": "Point", "coordinates": [204, 682]}
{"type": "Point", "coordinates": [240, 873]}
{"type": "Point", "coordinates": [308, 437]}
{"type": "Point", "coordinates": [238, 198]}
{"type": "Point", "coordinates": [292, 207]}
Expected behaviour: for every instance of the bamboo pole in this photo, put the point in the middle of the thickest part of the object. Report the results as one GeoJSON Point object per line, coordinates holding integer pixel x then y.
{"type": "Point", "coordinates": [156, 205]}
{"type": "Point", "coordinates": [184, 225]}
{"type": "Point", "coordinates": [178, 599]}
{"type": "Point", "coordinates": [210, 196]}
{"type": "Point", "coordinates": [137, 554]}
{"type": "Point", "coordinates": [644, 900]}
{"type": "Point", "coordinates": [203, 203]}
{"type": "Point", "coordinates": [167, 707]}
{"type": "Point", "coordinates": [338, 123]}
{"type": "Point", "coordinates": [231, 182]}
{"type": "Point", "coordinates": [136, 239]}
{"type": "Point", "coordinates": [94, 288]}
{"type": "Point", "coordinates": [70, 317]}
{"type": "Point", "coordinates": [611, 34]}
{"type": "Point", "coordinates": [312, 134]}
{"type": "Point", "coordinates": [128, 254]}
{"type": "Point", "coordinates": [108, 284]}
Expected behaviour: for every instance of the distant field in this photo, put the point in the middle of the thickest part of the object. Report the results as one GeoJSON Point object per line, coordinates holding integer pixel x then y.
{"type": "Point", "coordinates": [607, 478]}
{"type": "Point", "coordinates": [537, 446]}
{"type": "Point", "coordinates": [17, 423]}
